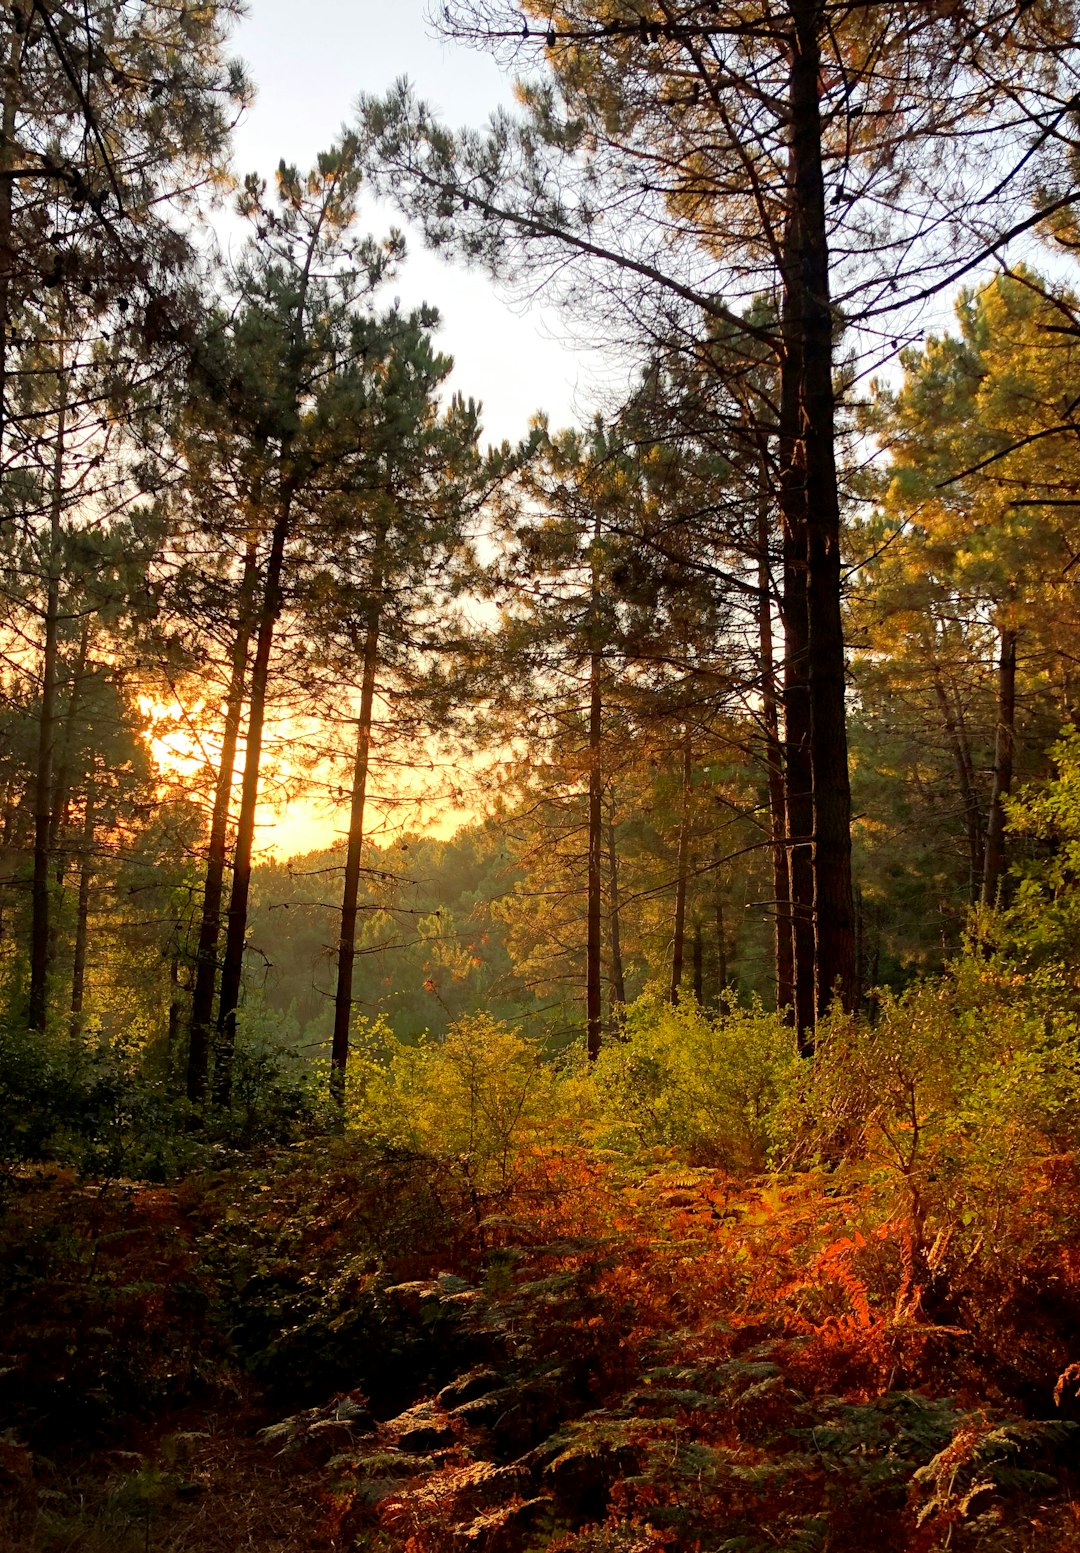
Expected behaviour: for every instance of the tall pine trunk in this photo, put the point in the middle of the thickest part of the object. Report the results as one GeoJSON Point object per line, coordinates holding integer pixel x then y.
{"type": "Point", "coordinates": [82, 918]}
{"type": "Point", "coordinates": [682, 869]}
{"type": "Point", "coordinates": [594, 883]}
{"type": "Point", "coordinates": [808, 309]}
{"type": "Point", "coordinates": [784, 948]}
{"type": "Point", "coordinates": [965, 776]}
{"type": "Point", "coordinates": [343, 998]}
{"type": "Point", "coordinates": [43, 783]}
{"type": "Point", "coordinates": [12, 90]}
{"type": "Point", "coordinates": [232, 968]}
{"type": "Point", "coordinates": [1004, 751]}
{"type": "Point", "coordinates": [618, 976]}
{"type": "Point", "coordinates": [206, 953]}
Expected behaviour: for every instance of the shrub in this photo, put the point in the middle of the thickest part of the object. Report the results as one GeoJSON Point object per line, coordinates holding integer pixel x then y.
{"type": "Point", "coordinates": [478, 1097]}
{"type": "Point", "coordinates": [701, 1085]}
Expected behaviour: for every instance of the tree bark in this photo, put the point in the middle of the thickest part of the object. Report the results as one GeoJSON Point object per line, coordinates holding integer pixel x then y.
{"type": "Point", "coordinates": [232, 968]}
{"type": "Point", "coordinates": [206, 954]}
{"type": "Point", "coordinates": [783, 945]}
{"type": "Point", "coordinates": [682, 869]}
{"type": "Point", "coordinates": [965, 776]}
{"type": "Point", "coordinates": [618, 977]}
{"type": "Point", "coordinates": [82, 919]}
{"type": "Point", "coordinates": [815, 715]}
{"type": "Point", "coordinates": [1004, 751]}
{"type": "Point", "coordinates": [12, 89]}
{"type": "Point", "coordinates": [343, 998]}
{"type": "Point", "coordinates": [43, 785]}
{"type": "Point", "coordinates": [808, 273]}
{"type": "Point", "coordinates": [595, 888]}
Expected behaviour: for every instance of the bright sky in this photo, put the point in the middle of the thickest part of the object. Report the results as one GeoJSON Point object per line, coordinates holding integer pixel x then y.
{"type": "Point", "coordinates": [309, 62]}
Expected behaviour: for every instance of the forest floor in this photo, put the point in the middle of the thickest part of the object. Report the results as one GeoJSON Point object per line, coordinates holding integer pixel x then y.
{"type": "Point", "coordinates": [332, 1349]}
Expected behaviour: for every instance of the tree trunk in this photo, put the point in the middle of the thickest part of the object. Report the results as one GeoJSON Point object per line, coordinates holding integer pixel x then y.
{"type": "Point", "coordinates": [12, 89]}
{"type": "Point", "coordinates": [965, 775]}
{"type": "Point", "coordinates": [807, 273]}
{"type": "Point", "coordinates": [232, 968]}
{"type": "Point", "coordinates": [818, 788]}
{"type": "Point", "coordinates": [347, 943]}
{"type": "Point", "coordinates": [682, 869]}
{"type": "Point", "coordinates": [798, 782]}
{"type": "Point", "coordinates": [43, 785]}
{"type": "Point", "coordinates": [784, 949]}
{"type": "Point", "coordinates": [82, 918]}
{"type": "Point", "coordinates": [618, 978]}
{"type": "Point", "coordinates": [722, 969]}
{"type": "Point", "coordinates": [697, 961]}
{"type": "Point", "coordinates": [595, 886]}
{"type": "Point", "coordinates": [1004, 750]}
{"type": "Point", "coordinates": [206, 954]}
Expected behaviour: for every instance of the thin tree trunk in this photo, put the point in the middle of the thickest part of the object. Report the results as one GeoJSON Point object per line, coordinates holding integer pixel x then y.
{"type": "Point", "coordinates": [1004, 751]}
{"type": "Point", "coordinates": [798, 781]}
{"type": "Point", "coordinates": [206, 954]}
{"type": "Point", "coordinates": [594, 1012]}
{"type": "Point", "coordinates": [682, 869]}
{"type": "Point", "coordinates": [808, 273]}
{"type": "Point", "coordinates": [965, 775]}
{"type": "Point", "coordinates": [343, 999]}
{"type": "Point", "coordinates": [43, 785]}
{"type": "Point", "coordinates": [722, 968]}
{"type": "Point", "coordinates": [784, 949]}
{"type": "Point", "coordinates": [82, 918]}
{"type": "Point", "coordinates": [232, 968]}
{"type": "Point", "coordinates": [12, 89]}
{"type": "Point", "coordinates": [697, 961]}
{"type": "Point", "coordinates": [618, 978]}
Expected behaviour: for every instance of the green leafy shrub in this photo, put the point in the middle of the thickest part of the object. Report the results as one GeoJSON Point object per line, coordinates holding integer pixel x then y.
{"type": "Point", "coordinates": [701, 1085]}
{"type": "Point", "coordinates": [479, 1097]}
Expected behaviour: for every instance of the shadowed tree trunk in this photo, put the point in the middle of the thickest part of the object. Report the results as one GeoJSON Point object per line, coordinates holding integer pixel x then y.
{"type": "Point", "coordinates": [206, 953]}
{"type": "Point", "coordinates": [595, 886]}
{"type": "Point", "coordinates": [682, 869]}
{"type": "Point", "coordinates": [1004, 750]}
{"type": "Point", "coordinates": [43, 784]}
{"type": "Point", "coordinates": [784, 948]}
{"type": "Point", "coordinates": [82, 918]}
{"type": "Point", "coordinates": [343, 998]}
{"type": "Point", "coordinates": [618, 979]}
{"type": "Point", "coordinates": [965, 776]}
{"type": "Point", "coordinates": [232, 968]}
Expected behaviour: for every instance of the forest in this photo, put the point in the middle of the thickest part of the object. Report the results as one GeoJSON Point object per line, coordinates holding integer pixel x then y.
{"type": "Point", "coordinates": [645, 1113]}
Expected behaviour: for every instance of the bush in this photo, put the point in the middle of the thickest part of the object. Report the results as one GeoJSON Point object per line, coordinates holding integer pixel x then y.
{"type": "Point", "coordinates": [701, 1085]}
{"type": "Point", "coordinates": [478, 1097]}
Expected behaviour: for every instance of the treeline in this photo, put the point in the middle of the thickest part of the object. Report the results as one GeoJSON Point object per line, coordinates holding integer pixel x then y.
{"type": "Point", "coordinates": [748, 668]}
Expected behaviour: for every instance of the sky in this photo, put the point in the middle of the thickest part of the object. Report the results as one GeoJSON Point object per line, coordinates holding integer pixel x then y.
{"type": "Point", "coordinates": [309, 61]}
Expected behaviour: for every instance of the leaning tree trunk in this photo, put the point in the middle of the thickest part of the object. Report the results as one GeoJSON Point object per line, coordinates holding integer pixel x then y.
{"type": "Point", "coordinates": [206, 954]}
{"type": "Point", "coordinates": [1004, 750]}
{"type": "Point", "coordinates": [43, 783]}
{"type": "Point", "coordinates": [682, 870]}
{"type": "Point", "coordinates": [343, 998]}
{"type": "Point", "coordinates": [232, 968]}
{"type": "Point", "coordinates": [809, 487]}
